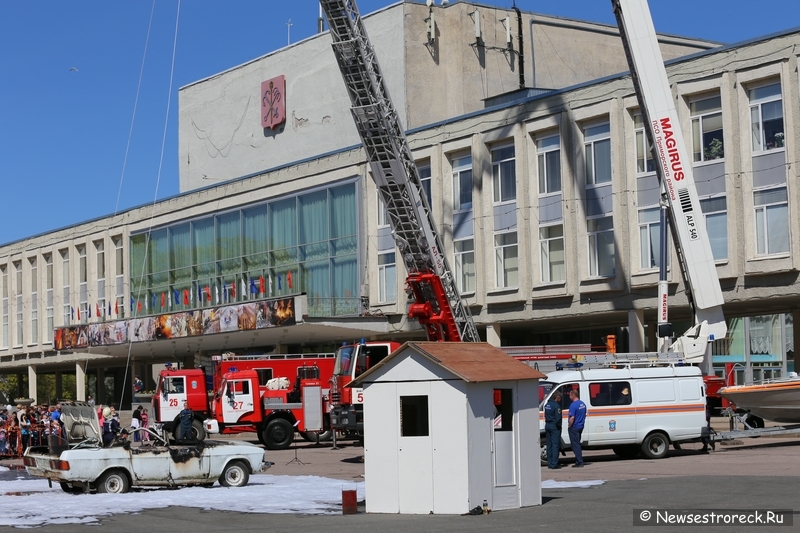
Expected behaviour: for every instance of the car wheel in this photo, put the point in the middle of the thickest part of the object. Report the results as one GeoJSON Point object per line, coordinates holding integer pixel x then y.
{"type": "Point", "coordinates": [655, 445]}
{"type": "Point", "coordinates": [69, 488]}
{"type": "Point", "coordinates": [278, 435]}
{"type": "Point", "coordinates": [630, 451]}
{"type": "Point", "coordinates": [113, 482]}
{"type": "Point", "coordinates": [234, 475]}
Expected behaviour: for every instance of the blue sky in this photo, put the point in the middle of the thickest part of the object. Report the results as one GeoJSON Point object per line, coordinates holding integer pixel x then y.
{"type": "Point", "coordinates": [69, 72]}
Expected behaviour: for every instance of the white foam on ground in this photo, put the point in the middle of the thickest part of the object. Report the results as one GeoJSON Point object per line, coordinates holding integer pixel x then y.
{"type": "Point", "coordinates": [553, 484]}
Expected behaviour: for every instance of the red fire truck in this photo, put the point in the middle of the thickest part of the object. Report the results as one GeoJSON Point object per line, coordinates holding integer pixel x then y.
{"type": "Point", "coordinates": [264, 394]}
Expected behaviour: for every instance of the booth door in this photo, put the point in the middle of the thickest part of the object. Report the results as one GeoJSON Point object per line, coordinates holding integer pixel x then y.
{"type": "Point", "coordinates": [504, 460]}
{"type": "Point", "coordinates": [415, 450]}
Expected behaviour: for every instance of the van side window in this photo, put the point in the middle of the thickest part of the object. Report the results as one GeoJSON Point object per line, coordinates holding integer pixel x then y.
{"type": "Point", "coordinates": [610, 393]}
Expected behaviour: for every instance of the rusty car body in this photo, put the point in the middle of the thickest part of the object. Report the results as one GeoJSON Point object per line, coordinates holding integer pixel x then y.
{"type": "Point", "coordinates": [80, 463]}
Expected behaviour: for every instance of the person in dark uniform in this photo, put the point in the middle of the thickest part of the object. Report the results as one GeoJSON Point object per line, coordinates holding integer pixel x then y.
{"type": "Point", "coordinates": [552, 428]}
{"type": "Point", "coordinates": [110, 427]}
{"type": "Point", "coordinates": [187, 417]}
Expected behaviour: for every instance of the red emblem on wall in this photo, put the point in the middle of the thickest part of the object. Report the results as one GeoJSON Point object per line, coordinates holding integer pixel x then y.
{"type": "Point", "coordinates": [273, 102]}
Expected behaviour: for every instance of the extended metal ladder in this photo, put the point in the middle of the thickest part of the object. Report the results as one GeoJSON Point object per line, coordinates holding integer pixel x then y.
{"type": "Point", "coordinates": [430, 280]}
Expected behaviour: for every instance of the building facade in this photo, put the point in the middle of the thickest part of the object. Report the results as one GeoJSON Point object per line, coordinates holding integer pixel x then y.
{"type": "Point", "coordinates": [545, 196]}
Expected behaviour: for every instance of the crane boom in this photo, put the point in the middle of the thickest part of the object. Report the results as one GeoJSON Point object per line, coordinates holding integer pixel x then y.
{"type": "Point", "coordinates": [674, 170]}
{"type": "Point", "coordinates": [437, 302]}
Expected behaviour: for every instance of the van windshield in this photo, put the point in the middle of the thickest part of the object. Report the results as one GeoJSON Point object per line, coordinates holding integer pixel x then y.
{"type": "Point", "coordinates": [545, 387]}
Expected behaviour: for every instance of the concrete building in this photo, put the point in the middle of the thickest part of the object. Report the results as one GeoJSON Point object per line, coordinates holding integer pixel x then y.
{"type": "Point", "coordinates": [544, 195]}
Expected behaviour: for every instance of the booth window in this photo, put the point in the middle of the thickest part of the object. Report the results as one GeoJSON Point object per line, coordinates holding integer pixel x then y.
{"type": "Point", "coordinates": [414, 416]}
{"type": "Point", "coordinates": [503, 410]}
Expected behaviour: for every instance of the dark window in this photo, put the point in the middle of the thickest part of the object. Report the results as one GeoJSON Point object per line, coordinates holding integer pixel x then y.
{"type": "Point", "coordinates": [264, 375]}
{"type": "Point", "coordinates": [503, 410]}
{"type": "Point", "coordinates": [238, 387]}
{"type": "Point", "coordinates": [413, 416]}
{"type": "Point", "coordinates": [175, 385]}
{"type": "Point", "coordinates": [611, 393]}
{"type": "Point", "coordinates": [565, 399]}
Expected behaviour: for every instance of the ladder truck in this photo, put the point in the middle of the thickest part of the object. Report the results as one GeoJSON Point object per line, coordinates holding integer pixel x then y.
{"type": "Point", "coordinates": [434, 297]}
{"type": "Point", "coordinates": [674, 170]}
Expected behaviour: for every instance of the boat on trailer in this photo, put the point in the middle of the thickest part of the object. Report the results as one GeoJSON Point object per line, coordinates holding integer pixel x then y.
{"type": "Point", "coordinates": [777, 400]}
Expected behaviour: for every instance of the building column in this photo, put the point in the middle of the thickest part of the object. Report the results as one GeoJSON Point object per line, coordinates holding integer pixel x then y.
{"type": "Point", "coordinates": [493, 334]}
{"type": "Point", "coordinates": [32, 383]}
{"type": "Point", "coordinates": [80, 383]}
{"type": "Point", "coordinates": [636, 330]}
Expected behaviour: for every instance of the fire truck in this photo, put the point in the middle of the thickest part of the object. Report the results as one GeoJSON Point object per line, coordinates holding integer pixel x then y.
{"type": "Point", "coordinates": [271, 395]}
{"type": "Point", "coordinates": [433, 295]}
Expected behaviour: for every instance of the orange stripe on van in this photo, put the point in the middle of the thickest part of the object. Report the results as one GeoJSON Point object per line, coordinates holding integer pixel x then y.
{"type": "Point", "coordinates": [640, 410]}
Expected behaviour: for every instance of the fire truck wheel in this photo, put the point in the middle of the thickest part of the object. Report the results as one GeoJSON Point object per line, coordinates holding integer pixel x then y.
{"type": "Point", "coordinates": [234, 475]}
{"type": "Point", "coordinates": [655, 445]}
{"type": "Point", "coordinates": [317, 436]}
{"type": "Point", "coordinates": [278, 435]}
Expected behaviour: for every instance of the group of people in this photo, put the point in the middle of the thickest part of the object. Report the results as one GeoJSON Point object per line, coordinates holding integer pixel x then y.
{"type": "Point", "coordinates": [23, 427]}
{"type": "Point", "coordinates": [552, 427]}
{"type": "Point", "coordinates": [112, 429]}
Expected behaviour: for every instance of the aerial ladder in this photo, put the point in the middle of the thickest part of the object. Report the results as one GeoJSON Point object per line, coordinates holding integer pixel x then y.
{"type": "Point", "coordinates": [674, 170]}
{"type": "Point", "coordinates": [430, 285]}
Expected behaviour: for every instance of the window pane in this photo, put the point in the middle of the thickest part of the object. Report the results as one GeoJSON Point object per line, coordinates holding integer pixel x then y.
{"type": "Point", "coordinates": [553, 171]}
{"type": "Point", "coordinates": [717, 228]}
{"type": "Point", "coordinates": [755, 128]}
{"type": "Point", "coordinates": [602, 166]}
{"type": "Point", "coordinates": [414, 416]}
{"type": "Point", "coordinates": [778, 224]}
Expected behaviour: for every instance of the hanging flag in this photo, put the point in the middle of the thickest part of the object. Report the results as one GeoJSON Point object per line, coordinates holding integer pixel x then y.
{"type": "Point", "coordinates": [177, 296]}
{"type": "Point", "coordinates": [185, 296]}
{"type": "Point", "coordinates": [139, 306]}
{"type": "Point", "coordinates": [244, 289]}
{"type": "Point", "coordinates": [200, 295]}
{"type": "Point", "coordinates": [233, 289]}
{"type": "Point", "coordinates": [289, 279]}
{"type": "Point", "coordinates": [131, 304]}
{"type": "Point", "coordinates": [79, 312]}
{"type": "Point", "coordinates": [253, 289]}
{"type": "Point", "coordinates": [109, 309]}
{"type": "Point", "coordinates": [153, 305]}
{"type": "Point", "coordinates": [97, 309]}
{"type": "Point", "coordinates": [261, 285]}
{"type": "Point", "coordinates": [216, 293]}
{"type": "Point", "coordinates": [116, 308]}
{"type": "Point", "coordinates": [146, 305]}
{"type": "Point", "coordinates": [208, 293]}
{"type": "Point", "coordinates": [279, 283]}
{"type": "Point", "coordinates": [163, 300]}
{"type": "Point", "coordinates": [270, 283]}
{"type": "Point", "coordinates": [72, 313]}
{"type": "Point", "coordinates": [224, 292]}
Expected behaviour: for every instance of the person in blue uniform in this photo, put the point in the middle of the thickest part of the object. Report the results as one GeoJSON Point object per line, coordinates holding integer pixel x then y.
{"type": "Point", "coordinates": [552, 428]}
{"type": "Point", "coordinates": [186, 419]}
{"type": "Point", "coordinates": [577, 417]}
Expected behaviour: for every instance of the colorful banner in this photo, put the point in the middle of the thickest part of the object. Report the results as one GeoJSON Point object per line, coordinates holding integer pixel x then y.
{"type": "Point", "coordinates": [246, 316]}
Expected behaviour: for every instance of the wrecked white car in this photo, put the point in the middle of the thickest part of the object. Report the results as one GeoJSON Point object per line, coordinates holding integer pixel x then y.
{"type": "Point", "coordinates": [80, 463]}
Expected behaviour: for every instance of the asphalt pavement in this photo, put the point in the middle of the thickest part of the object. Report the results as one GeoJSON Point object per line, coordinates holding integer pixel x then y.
{"type": "Point", "coordinates": [754, 474]}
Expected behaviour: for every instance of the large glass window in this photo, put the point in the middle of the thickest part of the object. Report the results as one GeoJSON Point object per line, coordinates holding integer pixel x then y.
{"type": "Point", "coordinates": [65, 287]}
{"type": "Point", "coordinates": [597, 150]}
{"type": "Point", "coordinates": [119, 273]}
{"type": "Point", "coordinates": [462, 183]}
{"type": "Point", "coordinates": [49, 288]}
{"type": "Point", "coordinates": [18, 297]}
{"type": "Point", "coordinates": [715, 211]}
{"type": "Point", "coordinates": [83, 284]}
{"type": "Point", "coordinates": [707, 139]}
{"type": "Point", "coordinates": [4, 308]}
{"type": "Point", "coordinates": [387, 278]}
{"type": "Point", "coordinates": [766, 117]}
{"type": "Point", "coordinates": [465, 265]}
{"type": "Point", "coordinates": [100, 256]}
{"type": "Point", "coordinates": [644, 156]}
{"type": "Point", "coordinates": [772, 221]}
{"type": "Point", "coordinates": [424, 172]}
{"type": "Point", "coordinates": [504, 177]}
{"type": "Point", "coordinates": [601, 246]}
{"type": "Point", "coordinates": [301, 243]}
{"type": "Point", "coordinates": [551, 246]}
{"type": "Point", "coordinates": [34, 301]}
{"type": "Point", "coordinates": [506, 256]}
{"type": "Point", "coordinates": [650, 238]}
{"type": "Point", "coordinates": [548, 150]}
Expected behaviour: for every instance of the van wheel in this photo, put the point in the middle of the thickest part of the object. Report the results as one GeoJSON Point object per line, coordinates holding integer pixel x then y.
{"type": "Point", "coordinates": [628, 451]}
{"type": "Point", "coordinates": [655, 446]}
{"type": "Point", "coordinates": [544, 455]}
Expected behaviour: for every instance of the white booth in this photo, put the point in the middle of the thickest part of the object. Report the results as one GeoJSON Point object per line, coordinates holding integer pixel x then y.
{"type": "Point", "coordinates": [448, 426]}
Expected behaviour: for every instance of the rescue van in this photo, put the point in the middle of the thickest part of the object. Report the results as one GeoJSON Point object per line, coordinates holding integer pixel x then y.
{"type": "Point", "coordinates": [631, 410]}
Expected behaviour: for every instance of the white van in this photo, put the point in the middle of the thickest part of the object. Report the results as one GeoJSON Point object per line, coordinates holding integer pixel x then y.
{"type": "Point", "coordinates": [663, 405]}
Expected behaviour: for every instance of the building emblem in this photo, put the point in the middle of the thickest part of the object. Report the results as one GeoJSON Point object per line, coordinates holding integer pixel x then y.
{"type": "Point", "coordinates": [273, 102]}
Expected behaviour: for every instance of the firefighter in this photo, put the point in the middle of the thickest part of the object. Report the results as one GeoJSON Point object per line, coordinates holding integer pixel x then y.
{"type": "Point", "coordinates": [187, 417]}
{"type": "Point", "coordinates": [552, 428]}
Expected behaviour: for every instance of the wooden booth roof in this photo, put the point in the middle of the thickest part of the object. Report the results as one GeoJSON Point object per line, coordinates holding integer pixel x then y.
{"type": "Point", "coordinates": [474, 362]}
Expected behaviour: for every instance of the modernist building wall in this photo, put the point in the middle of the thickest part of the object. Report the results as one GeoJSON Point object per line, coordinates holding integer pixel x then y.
{"type": "Point", "coordinates": [593, 279]}
{"type": "Point", "coordinates": [220, 131]}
